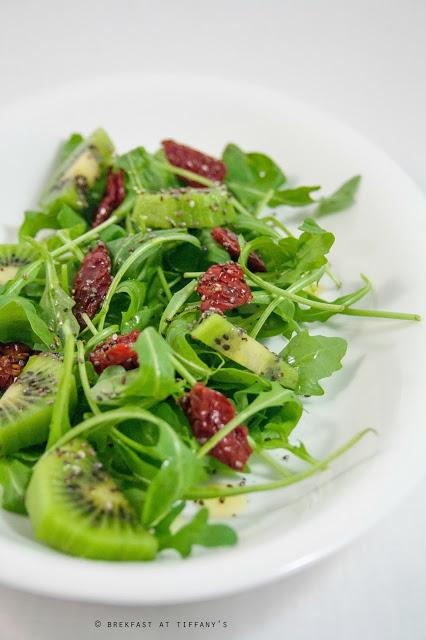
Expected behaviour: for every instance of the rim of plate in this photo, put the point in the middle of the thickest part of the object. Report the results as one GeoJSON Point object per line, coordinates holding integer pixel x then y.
{"type": "Point", "coordinates": [222, 571]}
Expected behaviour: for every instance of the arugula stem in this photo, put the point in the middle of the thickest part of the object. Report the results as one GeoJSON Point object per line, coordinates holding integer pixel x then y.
{"type": "Point", "coordinates": [146, 248]}
{"type": "Point", "coordinates": [65, 238]}
{"type": "Point", "coordinates": [263, 202]}
{"type": "Point", "coordinates": [85, 237]}
{"type": "Point", "coordinates": [327, 306]}
{"type": "Point", "coordinates": [84, 379]}
{"type": "Point", "coordinates": [101, 336]}
{"type": "Point", "coordinates": [277, 291]}
{"type": "Point", "coordinates": [314, 276]}
{"type": "Point", "coordinates": [89, 324]}
{"type": "Point", "coordinates": [265, 315]}
{"type": "Point", "coordinates": [183, 173]}
{"type": "Point", "coordinates": [59, 423]}
{"type": "Point", "coordinates": [279, 224]}
{"type": "Point", "coordinates": [64, 278]}
{"type": "Point", "coordinates": [13, 288]}
{"type": "Point", "coordinates": [240, 418]}
{"type": "Point", "coordinates": [200, 493]}
{"type": "Point", "coordinates": [337, 282]}
{"type": "Point", "coordinates": [282, 471]}
{"type": "Point", "coordinates": [164, 283]}
{"type": "Point", "coordinates": [376, 313]}
{"type": "Point", "coordinates": [193, 274]}
{"type": "Point", "coordinates": [183, 371]}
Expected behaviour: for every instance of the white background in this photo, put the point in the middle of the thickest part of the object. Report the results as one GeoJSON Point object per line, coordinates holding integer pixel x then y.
{"type": "Point", "coordinates": [364, 62]}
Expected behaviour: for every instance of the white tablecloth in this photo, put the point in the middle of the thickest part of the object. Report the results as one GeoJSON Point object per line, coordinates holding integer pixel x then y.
{"type": "Point", "coordinates": [363, 61]}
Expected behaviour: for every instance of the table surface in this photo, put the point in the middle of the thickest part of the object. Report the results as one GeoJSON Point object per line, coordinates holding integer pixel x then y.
{"type": "Point", "coordinates": [364, 62]}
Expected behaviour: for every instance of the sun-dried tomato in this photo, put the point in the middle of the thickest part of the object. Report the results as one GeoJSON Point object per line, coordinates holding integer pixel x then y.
{"type": "Point", "coordinates": [91, 283]}
{"type": "Point", "coordinates": [208, 411]}
{"type": "Point", "coordinates": [116, 350]}
{"type": "Point", "coordinates": [222, 287]}
{"type": "Point", "coordinates": [13, 358]}
{"type": "Point", "coordinates": [229, 241]}
{"type": "Point", "coordinates": [113, 196]}
{"type": "Point", "coordinates": [179, 155]}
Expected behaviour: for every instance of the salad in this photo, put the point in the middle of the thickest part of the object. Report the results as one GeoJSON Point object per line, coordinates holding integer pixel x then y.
{"type": "Point", "coordinates": [138, 378]}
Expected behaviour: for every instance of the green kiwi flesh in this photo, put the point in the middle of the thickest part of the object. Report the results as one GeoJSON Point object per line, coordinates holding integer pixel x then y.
{"type": "Point", "coordinates": [26, 406]}
{"type": "Point", "coordinates": [75, 506]}
{"type": "Point", "coordinates": [78, 172]}
{"type": "Point", "coordinates": [12, 258]}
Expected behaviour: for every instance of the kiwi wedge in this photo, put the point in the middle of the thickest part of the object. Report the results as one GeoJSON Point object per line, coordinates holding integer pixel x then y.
{"type": "Point", "coordinates": [217, 332]}
{"type": "Point", "coordinates": [75, 506]}
{"type": "Point", "coordinates": [12, 258]}
{"type": "Point", "coordinates": [77, 172]}
{"type": "Point", "coordinates": [26, 406]}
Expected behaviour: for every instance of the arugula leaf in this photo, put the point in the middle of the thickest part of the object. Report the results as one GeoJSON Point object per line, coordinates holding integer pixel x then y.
{"type": "Point", "coordinates": [143, 173]}
{"type": "Point", "coordinates": [56, 305]}
{"type": "Point", "coordinates": [292, 257]}
{"type": "Point", "coordinates": [250, 175]}
{"type": "Point", "coordinates": [35, 221]}
{"type": "Point", "coordinates": [316, 357]}
{"type": "Point", "coordinates": [177, 337]}
{"type": "Point", "coordinates": [20, 321]}
{"type": "Point", "coordinates": [180, 470]}
{"type": "Point", "coordinates": [196, 532]}
{"type": "Point", "coordinates": [341, 199]}
{"type": "Point", "coordinates": [213, 252]}
{"type": "Point", "coordinates": [66, 393]}
{"type": "Point", "coordinates": [130, 317]}
{"type": "Point", "coordinates": [156, 374]}
{"type": "Point", "coordinates": [14, 478]}
{"type": "Point", "coordinates": [298, 197]}
{"type": "Point", "coordinates": [65, 218]}
{"type": "Point", "coordinates": [176, 302]}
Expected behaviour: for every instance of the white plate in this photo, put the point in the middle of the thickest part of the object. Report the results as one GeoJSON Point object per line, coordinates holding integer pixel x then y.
{"type": "Point", "coordinates": [380, 385]}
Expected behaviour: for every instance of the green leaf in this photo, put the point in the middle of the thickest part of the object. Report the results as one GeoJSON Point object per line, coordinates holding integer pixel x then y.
{"type": "Point", "coordinates": [180, 470]}
{"type": "Point", "coordinates": [250, 175]}
{"type": "Point", "coordinates": [292, 257]}
{"type": "Point", "coordinates": [298, 197]}
{"type": "Point", "coordinates": [213, 252]}
{"type": "Point", "coordinates": [136, 292]}
{"type": "Point", "coordinates": [35, 221]}
{"type": "Point", "coordinates": [176, 302]}
{"type": "Point", "coordinates": [341, 199]}
{"type": "Point", "coordinates": [177, 337]}
{"type": "Point", "coordinates": [198, 532]}
{"type": "Point", "coordinates": [66, 393]}
{"type": "Point", "coordinates": [156, 374]}
{"type": "Point", "coordinates": [20, 321]}
{"type": "Point", "coordinates": [56, 305]}
{"type": "Point", "coordinates": [14, 478]}
{"type": "Point", "coordinates": [316, 357]}
{"type": "Point", "coordinates": [143, 173]}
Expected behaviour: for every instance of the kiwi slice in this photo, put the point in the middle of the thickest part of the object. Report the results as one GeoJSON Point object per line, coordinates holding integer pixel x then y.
{"type": "Point", "coordinates": [219, 333]}
{"type": "Point", "coordinates": [12, 258]}
{"type": "Point", "coordinates": [75, 506]}
{"type": "Point", "coordinates": [26, 406]}
{"type": "Point", "coordinates": [77, 172]}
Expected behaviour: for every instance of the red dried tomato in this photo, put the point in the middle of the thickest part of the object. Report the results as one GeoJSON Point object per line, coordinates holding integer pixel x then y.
{"type": "Point", "coordinates": [222, 287]}
{"type": "Point", "coordinates": [179, 155]}
{"type": "Point", "coordinates": [13, 358]}
{"type": "Point", "coordinates": [116, 350]}
{"type": "Point", "coordinates": [113, 196]}
{"type": "Point", "coordinates": [208, 411]}
{"type": "Point", "coordinates": [229, 241]}
{"type": "Point", "coordinates": [92, 282]}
